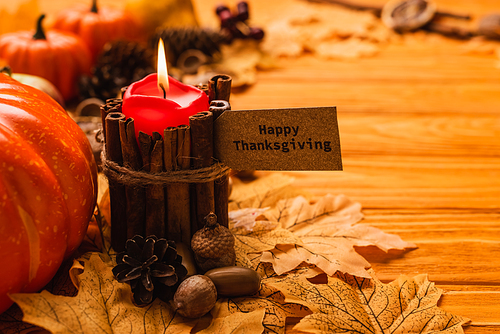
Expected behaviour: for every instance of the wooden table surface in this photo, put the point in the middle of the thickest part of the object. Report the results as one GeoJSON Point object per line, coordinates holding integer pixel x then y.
{"type": "Point", "coordinates": [420, 137]}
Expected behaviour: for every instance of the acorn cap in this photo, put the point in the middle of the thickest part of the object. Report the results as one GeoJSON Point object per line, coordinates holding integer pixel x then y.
{"type": "Point", "coordinates": [212, 241]}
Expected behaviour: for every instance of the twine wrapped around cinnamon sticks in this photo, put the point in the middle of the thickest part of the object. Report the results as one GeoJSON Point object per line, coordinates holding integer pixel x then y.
{"type": "Point", "coordinates": [127, 176]}
{"type": "Point", "coordinates": [165, 185]}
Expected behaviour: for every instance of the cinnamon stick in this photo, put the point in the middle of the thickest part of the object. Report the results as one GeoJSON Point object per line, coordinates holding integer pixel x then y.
{"type": "Point", "coordinates": [178, 199]}
{"type": "Point", "coordinates": [117, 196]}
{"type": "Point", "coordinates": [172, 226]}
{"type": "Point", "coordinates": [152, 156]}
{"type": "Point", "coordinates": [136, 196]}
{"type": "Point", "coordinates": [145, 148]}
{"type": "Point", "coordinates": [217, 107]}
{"type": "Point", "coordinates": [202, 87]}
{"type": "Point", "coordinates": [219, 87]}
{"type": "Point", "coordinates": [111, 105]}
{"type": "Point", "coordinates": [221, 185]}
{"type": "Point", "coordinates": [202, 149]}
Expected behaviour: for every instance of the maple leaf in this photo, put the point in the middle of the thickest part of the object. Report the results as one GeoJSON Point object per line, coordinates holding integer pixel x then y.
{"type": "Point", "coordinates": [102, 305]}
{"type": "Point", "coordinates": [250, 322]}
{"type": "Point", "coordinates": [350, 304]}
{"type": "Point", "coordinates": [328, 232]}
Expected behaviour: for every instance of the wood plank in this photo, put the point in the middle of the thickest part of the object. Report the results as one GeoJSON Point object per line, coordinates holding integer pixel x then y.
{"type": "Point", "coordinates": [405, 134]}
{"type": "Point", "coordinates": [410, 182]}
{"type": "Point", "coordinates": [470, 262]}
{"type": "Point", "coordinates": [454, 247]}
{"type": "Point", "coordinates": [376, 84]}
{"type": "Point", "coordinates": [482, 308]}
{"type": "Point", "coordinates": [416, 134]}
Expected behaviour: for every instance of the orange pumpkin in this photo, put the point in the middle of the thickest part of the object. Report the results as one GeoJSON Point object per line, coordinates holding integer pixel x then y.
{"type": "Point", "coordinates": [48, 188]}
{"type": "Point", "coordinates": [97, 26]}
{"type": "Point", "coordinates": [56, 56]}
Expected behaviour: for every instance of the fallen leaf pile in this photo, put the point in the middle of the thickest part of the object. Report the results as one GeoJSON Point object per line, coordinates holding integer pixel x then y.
{"type": "Point", "coordinates": [329, 31]}
{"type": "Point", "coordinates": [306, 254]}
{"type": "Point", "coordinates": [323, 234]}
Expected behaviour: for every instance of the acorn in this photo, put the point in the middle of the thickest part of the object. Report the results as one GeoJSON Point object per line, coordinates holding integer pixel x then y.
{"type": "Point", "coordinates": [195, 296]}
{"type": "Point", "coordinates": [235, 281]}
{"type": "Point", "coordinates": [213, 245]}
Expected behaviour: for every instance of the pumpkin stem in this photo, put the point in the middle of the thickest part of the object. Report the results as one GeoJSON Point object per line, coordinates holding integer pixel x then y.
{"type": "Point", "coordinates": [7, 70]}
{"type": "Point", "coordinates": [94, 6]}
{"type": "Point", "coordinates": [39, 34]}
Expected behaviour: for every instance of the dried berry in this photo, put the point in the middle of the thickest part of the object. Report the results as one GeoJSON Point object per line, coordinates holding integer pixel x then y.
{"type": "Point", "coordinates": [152, 267]}
{"type": "Point", "coordinates": [213, 245]}
{"type": "Point", "coordinates": [242, 8]}
{"type": "Point", "coordinates": [234, 25]}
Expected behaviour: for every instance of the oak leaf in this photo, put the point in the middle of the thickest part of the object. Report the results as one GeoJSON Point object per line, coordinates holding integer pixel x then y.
{"type": "Point", "coordinates": [350, 304]}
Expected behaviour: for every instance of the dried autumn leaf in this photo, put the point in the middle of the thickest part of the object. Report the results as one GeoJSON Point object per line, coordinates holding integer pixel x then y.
{"type": "Point", "coordinates": [328, 232]}
{"type": "Point", "coordinates": [102, 306]}
{"type": "Point", "coordinates": [237, 323]}
{"type": "Point", "coordinates": [260, 239]}
{"type": "Point", "coordinates": [263, 192]}
{"type": "Point", "coordinates": [11, 320]}
{"type": "Point", "coordinates": [349, 304]}
{"type": "Point", "coordinates": [247, 218]}
{"type": "Point", "coordinates": [325, 30]}
{"type": "Point", "coordinates": [268, 299]}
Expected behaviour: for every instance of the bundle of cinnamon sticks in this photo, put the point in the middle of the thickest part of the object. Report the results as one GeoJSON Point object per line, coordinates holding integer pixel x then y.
{"type": "Point", "coordinates": [172, 210]}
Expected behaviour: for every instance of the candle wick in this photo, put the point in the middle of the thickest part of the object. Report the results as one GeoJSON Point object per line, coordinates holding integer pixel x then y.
{"type": "Point", "coordinates": [163, 89]}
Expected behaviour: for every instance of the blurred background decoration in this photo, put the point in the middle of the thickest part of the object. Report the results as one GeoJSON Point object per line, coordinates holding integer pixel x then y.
{"type": "Point", "coordinates": [203, 39]}
{"type": "Point", "coordinates": [122, 38]}
{"type": "Point", "coordinates": [18, 15]}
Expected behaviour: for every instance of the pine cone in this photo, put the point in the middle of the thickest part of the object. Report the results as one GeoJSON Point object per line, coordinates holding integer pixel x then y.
{"type": "Point", "coordinates": [152, 267]}
{"type": "Point", "coordinates": [213, 245]}
{"type": "Point", "coordinates": [179, 40]}
{"type": "Point", "coordinates": [119, 64]}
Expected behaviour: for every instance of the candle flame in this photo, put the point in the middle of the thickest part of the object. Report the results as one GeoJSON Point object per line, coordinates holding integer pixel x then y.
{"type": "Point", "coordinates": [162, 69]}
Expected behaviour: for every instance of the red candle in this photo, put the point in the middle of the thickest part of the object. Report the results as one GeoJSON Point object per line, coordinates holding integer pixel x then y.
{"type": "Point", "coordinates": [151, 112]}
{"type": "Point", "coordinates": [156, 102]}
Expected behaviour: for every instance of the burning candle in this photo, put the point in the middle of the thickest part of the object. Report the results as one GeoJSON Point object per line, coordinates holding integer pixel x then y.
{"type": "Point", "coordinates": [159, 101]}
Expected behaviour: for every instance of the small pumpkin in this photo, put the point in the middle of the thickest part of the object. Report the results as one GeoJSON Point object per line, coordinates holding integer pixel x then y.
{"type": "Point", "coordinates": [48, 188]}
{"type": "Point", "coordinates": [97, 26]}
{"type": "Point", "coordinates": [37, 82]}
{"type": "Point", "coordinates": [56, 56]}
